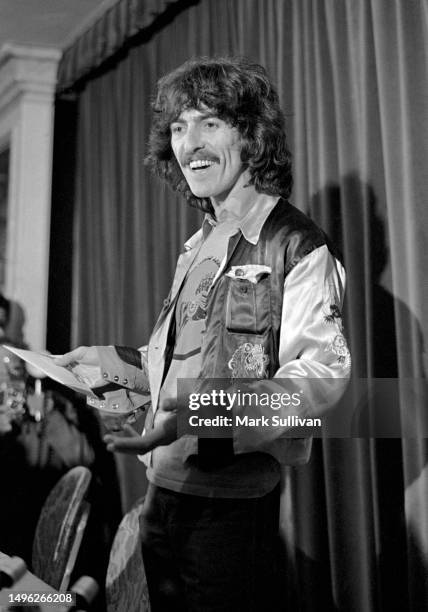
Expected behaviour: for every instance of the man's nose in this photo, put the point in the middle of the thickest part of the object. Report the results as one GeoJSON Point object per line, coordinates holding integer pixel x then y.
{"type": "Point", "coordinates": [193, 139]}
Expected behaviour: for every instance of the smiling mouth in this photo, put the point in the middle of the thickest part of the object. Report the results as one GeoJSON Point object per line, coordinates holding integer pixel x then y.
{"type": "Point", "coordinates": [201, 164]}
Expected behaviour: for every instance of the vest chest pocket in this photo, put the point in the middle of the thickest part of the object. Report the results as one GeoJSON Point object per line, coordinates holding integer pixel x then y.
{"type": "Point", "coordinates": [248, 306]}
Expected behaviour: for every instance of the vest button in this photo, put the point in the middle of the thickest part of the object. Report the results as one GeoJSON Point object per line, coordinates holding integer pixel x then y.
{"type": "Point", "coordinates": [239, 272]}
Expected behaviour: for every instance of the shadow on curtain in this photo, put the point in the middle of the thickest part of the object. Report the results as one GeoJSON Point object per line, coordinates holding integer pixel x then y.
{"type": "Point", "coordinates": [353, 79]}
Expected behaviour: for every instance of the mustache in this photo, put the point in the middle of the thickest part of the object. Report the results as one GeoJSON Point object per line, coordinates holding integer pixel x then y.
{"type": "Point", "coordinates": [186, 159]}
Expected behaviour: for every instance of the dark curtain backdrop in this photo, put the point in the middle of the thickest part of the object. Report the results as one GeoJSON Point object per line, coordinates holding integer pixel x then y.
{"type": "Point", "coordinates": [353, 79]}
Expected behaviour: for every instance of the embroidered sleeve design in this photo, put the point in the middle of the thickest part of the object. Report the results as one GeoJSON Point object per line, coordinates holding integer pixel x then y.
{"type": "Point", "coordinates": [339, 347]}
{"type": "Point", "coordinates": [334, 315]}
{"type": "Point", "coordinates": [337, 344]}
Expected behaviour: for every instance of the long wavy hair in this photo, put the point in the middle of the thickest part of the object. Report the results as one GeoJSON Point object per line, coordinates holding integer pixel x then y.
{"type": "Point", "coordinates": [241, 94]}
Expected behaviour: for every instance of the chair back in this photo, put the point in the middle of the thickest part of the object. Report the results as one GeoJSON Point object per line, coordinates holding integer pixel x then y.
{"type": "Point", "coordinates": [126, 585]}
{"type": "Point", "coordinates": [60, 528]}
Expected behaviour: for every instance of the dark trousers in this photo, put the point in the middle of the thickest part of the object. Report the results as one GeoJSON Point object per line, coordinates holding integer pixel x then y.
{"type": "Point", "coordinates": [210, 555]}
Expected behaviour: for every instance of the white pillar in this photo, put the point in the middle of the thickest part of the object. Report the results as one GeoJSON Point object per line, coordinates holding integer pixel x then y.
{"type": "Point", "coordinates": [27, 88]}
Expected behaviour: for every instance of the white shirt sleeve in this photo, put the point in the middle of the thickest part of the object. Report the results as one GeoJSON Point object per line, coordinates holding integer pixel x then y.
{"type": "Point", "coordinates": [312, 341]}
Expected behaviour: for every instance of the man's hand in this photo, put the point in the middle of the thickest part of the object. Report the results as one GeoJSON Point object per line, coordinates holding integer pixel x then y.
{"type": "Point", "coordinates": [84, 355]}
{"type": "Point", "coordinates": [132, 443]}
{"type": "Point", "coordinates": [84, 362]}
{"type": "Point", "coordinates": [129, 441]}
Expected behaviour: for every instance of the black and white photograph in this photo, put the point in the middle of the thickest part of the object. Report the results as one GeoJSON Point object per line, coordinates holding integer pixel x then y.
{"type": "Point", "coordinates": [213, 305]}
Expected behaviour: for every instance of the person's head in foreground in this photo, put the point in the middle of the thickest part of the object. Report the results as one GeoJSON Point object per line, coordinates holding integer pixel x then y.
{"type": "Point", "coordinates": [217, 124]}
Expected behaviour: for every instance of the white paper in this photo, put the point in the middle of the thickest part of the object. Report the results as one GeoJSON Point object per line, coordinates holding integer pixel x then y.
{"type": "Point", "coordinates": [45, 363]}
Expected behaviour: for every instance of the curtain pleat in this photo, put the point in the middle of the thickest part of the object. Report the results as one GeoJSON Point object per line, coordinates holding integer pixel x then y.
{"type": "Point", "coordinates": [111, 32]}
{"type": "Point", "coordinates": [353, 80]}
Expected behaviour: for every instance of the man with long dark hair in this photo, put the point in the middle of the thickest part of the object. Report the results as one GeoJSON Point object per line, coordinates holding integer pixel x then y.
{"type": "Point", "coordinates": [256, 295]}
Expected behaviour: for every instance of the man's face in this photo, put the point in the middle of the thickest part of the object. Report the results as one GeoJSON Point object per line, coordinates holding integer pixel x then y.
{"type": "Point", "coordinates": [208, 151]}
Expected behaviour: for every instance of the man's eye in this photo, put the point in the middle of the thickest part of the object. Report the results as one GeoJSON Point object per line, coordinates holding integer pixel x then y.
{"type": "Point", "coordinates": [176, 129]}
{"type": "Point", "coordinates": [211, 124]}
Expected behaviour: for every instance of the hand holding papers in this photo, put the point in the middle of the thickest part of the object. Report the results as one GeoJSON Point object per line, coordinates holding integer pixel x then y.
{"type": "Point", "coordinates": [120, 407]}
{"type": "Point", "coordinates": [70, 376]}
